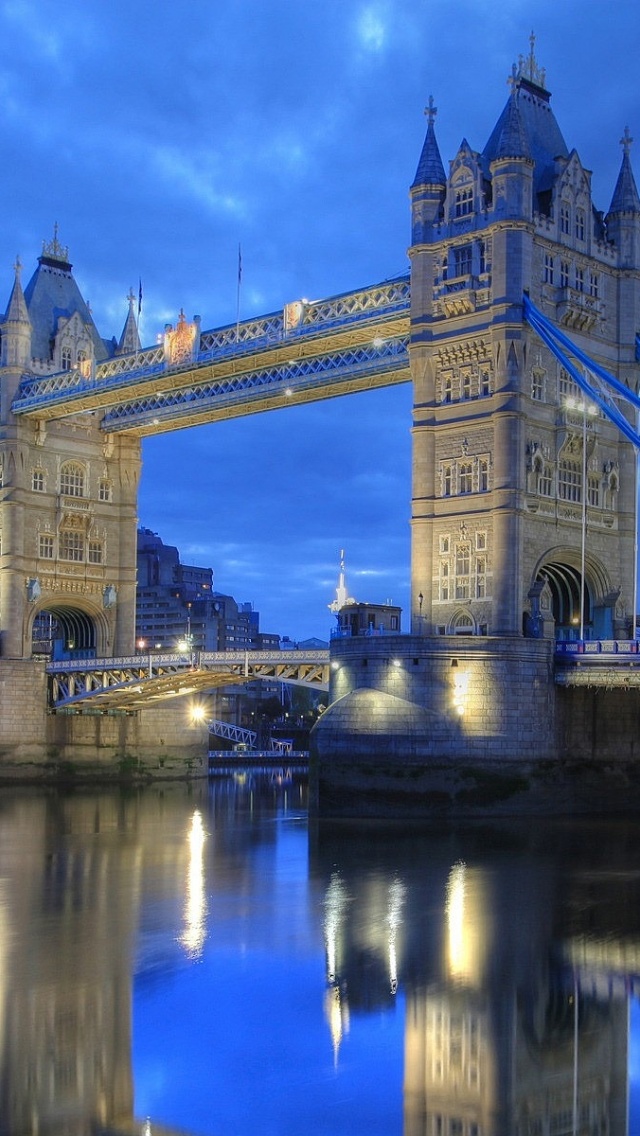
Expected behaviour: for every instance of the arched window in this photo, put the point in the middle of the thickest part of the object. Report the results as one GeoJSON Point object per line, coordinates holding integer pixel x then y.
{"type": "Point", "coordinates": [71, 545]}
{"type": "Point", "coordinates": [464, 201]}
{"type": "Point", "coordinates": [483, 475]}
{"type": "Point", "coordinates": [72, 480]}
{"type": "Point", "coordinates": [466, 477]}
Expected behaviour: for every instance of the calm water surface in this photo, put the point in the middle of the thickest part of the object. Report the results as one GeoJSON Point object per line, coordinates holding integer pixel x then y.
{"type": "Point", "coordinates": [202, 959]}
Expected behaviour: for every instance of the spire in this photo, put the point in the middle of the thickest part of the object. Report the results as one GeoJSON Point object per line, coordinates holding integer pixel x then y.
{"type": "Point", "coordinates": [17, 308]}
{"type": "Point", "coordinates": [512, 140]}
{"type": "Point", "coordinates": [129, 340]}
{"type": "Point", "coordinates": [54, 254]}
{"type": "Point", "coordinates": [430, 168]}
{"type": "Point", "coordinates": [342, 595]}
{"type": "Point", "coordinates": [625, 196]}
{"type": "Point", "coordinates": [528, 69]}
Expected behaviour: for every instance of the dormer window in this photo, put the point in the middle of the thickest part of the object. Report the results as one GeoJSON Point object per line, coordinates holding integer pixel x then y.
{"type": "Point", "coordinates": [463, 203]}
{"type": "Point", "coordinates": [580, 224]}
{"type": "Point", "coordinates": [65, 359]}
{"type": "Point", "coordinates": [565, 220]}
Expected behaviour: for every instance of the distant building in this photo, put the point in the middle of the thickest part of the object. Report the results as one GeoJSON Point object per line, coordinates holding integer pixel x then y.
{"type": "Point", "coordinates": [362, 618]}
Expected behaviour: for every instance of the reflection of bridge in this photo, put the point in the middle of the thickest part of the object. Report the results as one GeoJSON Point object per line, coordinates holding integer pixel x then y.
{"type": "Point", "coordinates": [137, 681]}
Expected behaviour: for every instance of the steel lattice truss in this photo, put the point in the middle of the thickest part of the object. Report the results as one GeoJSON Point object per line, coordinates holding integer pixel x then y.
{"type": "Point", "coordinates": [137, 681]}
{"type": "Point", "coordinates": [311, 350]}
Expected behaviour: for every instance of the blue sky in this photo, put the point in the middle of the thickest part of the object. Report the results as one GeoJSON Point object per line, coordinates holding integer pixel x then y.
{"type": "Point", "coordinates": [162, 136]}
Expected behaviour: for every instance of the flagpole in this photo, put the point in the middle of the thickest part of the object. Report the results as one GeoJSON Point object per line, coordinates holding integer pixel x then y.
{"type": "Point", "coordinates": [138, 321]}
{"type": "Point", "coordinates": [238, 293]}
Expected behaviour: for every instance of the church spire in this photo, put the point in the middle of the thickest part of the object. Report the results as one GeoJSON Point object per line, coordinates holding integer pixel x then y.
{"type": "Point", "coordinates": [625, 196]}
{"type": "Point", "coordinates": [129, 340]}
{"type": "Point", "coordinates": [430, 168]}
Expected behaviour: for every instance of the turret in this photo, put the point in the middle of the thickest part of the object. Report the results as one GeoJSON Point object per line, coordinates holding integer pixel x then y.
{"type": "Point", "coordinates": [429, 184]}
{"type": "Point", "coordinates": [623, 218]}
{"type": "Point", "coordinates": [512, 164]}
{"type": "Point", "coordinates": [129, 342]}
{"type": "Point", "coordinates": [16, 327]}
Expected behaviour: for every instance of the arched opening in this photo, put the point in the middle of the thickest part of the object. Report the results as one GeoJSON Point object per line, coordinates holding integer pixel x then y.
{"type": "Point", "coordinates": [558, 577]}
{"type": "Point", "coordinates": [566, 593]}
{"type": "Point", "coordinates": [462, 623]}
{"type": "Point", "coordinates": [63, 633]}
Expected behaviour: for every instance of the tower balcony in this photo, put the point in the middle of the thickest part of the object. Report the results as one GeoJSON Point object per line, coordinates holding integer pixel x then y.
{"type": "Point", "coordinates": [577, 310]}
{"type": "Point", "coordinates": [461, 296]}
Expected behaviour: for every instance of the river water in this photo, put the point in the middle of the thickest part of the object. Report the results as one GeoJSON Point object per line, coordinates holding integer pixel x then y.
{"type": "Point", "coordinates": [203, 959]}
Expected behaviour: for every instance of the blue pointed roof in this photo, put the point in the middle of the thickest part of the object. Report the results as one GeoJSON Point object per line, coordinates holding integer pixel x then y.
{"type": "Point", "coordinates": [512, 140]}
{"type": "Point", "coordinates": [625, 195]}
{"type": "Point", "coordinates": [17, 308]}
{"type": "Point", "coordinates": [430, 168]}
{"type": "Point", "coordinates": [528, 122]}
{"type": "Point", "coordinates": [52, 293]}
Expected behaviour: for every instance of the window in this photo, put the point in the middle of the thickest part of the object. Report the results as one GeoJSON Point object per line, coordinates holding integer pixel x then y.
{"type": "Point", "coordinates": [579, 279]}
{"type": "Point", "coordinates": [466, 477]}
{"type": "Point", "coordinates": [481, 577]}
{"type": "Point", "coordinates": [462, 261]}
{"type": "Point", "coordinates": [446, 389]}
{"type": "Point", "coordinates": [444, 544]}
{"type": "Point", "coordinates": [65, 359]}
{"type": "Point", "coordinates": [580, 224]}
{"type": "Point", "coordinates": [593, 491]}
{"type": "Point", "coordinates": [37, 481]}
{"type": "Point", "coordinates": [485, 383]}
{"type": "Point", "coordinates": [104, 490]}
{"type": "Point", "coordinates": [483, 475]}
{"type": "Point", "coordinates": [72, 480]}
{"type": "Point", "coordinates": [537, 384]}
{"type": "Point", "coordinates": [564, 273]}
{"type": "Point", "coordinates": [1, 472]}
{"type": "Point", "coordinates": [569, 481]}
{"type": "Point", "coordinates": [481, 541]}
{"type": "Point", "coordinates": [465, 386]}
{"type": "Point", "coordinates": [565, 219]}
{"type": "Point", "coordinates": [593, 284]}
{"type": "Point", "coordinates": [446, 481]}
{"type": "Point", "coordinates": [95, 552]}
{"type": "Point", "coordinates": [444, 580]}
{"type": "Point", "coordinates": [464, 202]}
{"type": "Point", "coordinates": [45, 546]}
{"type": "Point", "coordinates": [482, 257]}
{"type": "Point", "coordinates": [71, 545]}
{"type": "Point", "coordinates": [567, 388]}
{"type": "Point", "coordinates": [548, 269]}
{"type": "Point", "coordinates": [545, 480]}
{"type": "Point", "coordinates": [463, 553]}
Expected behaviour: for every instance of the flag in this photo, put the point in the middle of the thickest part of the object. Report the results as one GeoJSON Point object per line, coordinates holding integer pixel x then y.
{"type": "Point", "coordinates": [139, 299]}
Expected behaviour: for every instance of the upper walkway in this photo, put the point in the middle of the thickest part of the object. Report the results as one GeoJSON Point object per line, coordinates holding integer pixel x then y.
{"type": "Point", "coordinates": [311, 350]}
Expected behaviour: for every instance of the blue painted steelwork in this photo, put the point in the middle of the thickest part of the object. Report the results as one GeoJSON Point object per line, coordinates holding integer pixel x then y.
{"type": "Point", "coordinates": [599, 393]}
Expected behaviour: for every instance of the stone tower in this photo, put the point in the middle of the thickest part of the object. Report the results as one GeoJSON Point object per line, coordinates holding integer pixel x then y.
{"type": "Point", "coordinates": [502, 434]}
{"type": "Point", "coordinates": [68, 492]}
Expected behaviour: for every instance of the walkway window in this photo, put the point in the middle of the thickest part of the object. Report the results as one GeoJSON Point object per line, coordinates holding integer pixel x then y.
{"type": "Point", "coordinates": [72, 480]}
{"type": "Point", "coordinates": [71, 545]}
{"type": "Point", "coordinates": [45, 546]}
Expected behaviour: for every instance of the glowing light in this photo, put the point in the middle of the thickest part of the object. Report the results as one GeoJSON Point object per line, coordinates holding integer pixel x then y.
{"type": "Point", "coordinates": [195, 911]}
{"type": "Point", "coordinates": [460, 688]}
{"type": "Point", "coordinates": [335, 666]}
{"type": "Point", "coordinates": [396, 662]}
{"type": "Point", "coordinates": [378, 342]}
{"type": "Point", "coordinates": [454, 908]}
{"type": "Point", "coordinates": [335, 904]}
{"type": "Point", "coordinates": [198, 713]}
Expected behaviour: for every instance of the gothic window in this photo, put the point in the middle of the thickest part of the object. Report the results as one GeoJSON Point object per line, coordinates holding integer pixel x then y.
{"type": "Point", "coordinates": [447, 480]}
{"type": "Point", "coordinates": [464, 201]}
{"type": "Point", "coordinates": [95, 552]}
{"type": "Point", "coordinates": [465, 386]}
{"type": "Point", "coordinates": [462, 260]}
{"type": "Point", "coordinates": [579, 279]}
{"type": "Point", "coordinates": [45, 546]}
{"type": "Point", "coordinates": [481, 541]}
{"type": "Point", "coordinates": [593, 284]}
{"type": "Point", "coordinates": [37, 481]}
{"type": "Point", "coordinates": [565, 219]}
{"type": "Point", "coordinates": [71, 545]}
{"type": "Point", "coordinates": [537, 384]}
{"type": "Point", "coordinates": [567, 388]}
{"type": "Point", "coordinates": [72, 480]}
{"type": "Point", "coordinates": [564, 273]}
{"type": "Point", "coordinates": [463, 554]}
{"type": "Point", "coordinates": [446, 389]}
{"type": "Point", "coordinates": [466, 477]}
{"type": "Point", "coordinates": [104, 489]}
{"type": "Point", "coordinates": [445, 544]}
{"type": "Point", "coordinates": [65, 359]}
{"type": "Point", "coordinates": [580, 224]}
{"type": "Point", "coordinates": [481, 577]}
{"type": "Point", "coordinates": [548, 269]}
{"type": "Point", "coordinates": [444, 580]}
{"type": "Point", "coordinates": [593, 491]}
{"type": "Point", "coordinates": [569, 481]}
{"type": "Point", "coordinates": [482, 266]}
{"type": "Point", "coordinates": [483, 475]}
{"type": "Point", "coordinates": [545, 480]}
{"type": "Point", "coordinates": [485, 383]}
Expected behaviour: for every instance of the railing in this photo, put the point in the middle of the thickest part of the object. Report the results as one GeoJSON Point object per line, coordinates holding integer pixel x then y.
{"type": "Point", "coordinates": [567, 650]}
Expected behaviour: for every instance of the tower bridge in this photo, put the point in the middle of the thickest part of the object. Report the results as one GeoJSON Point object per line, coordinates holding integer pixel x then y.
{"type": "Point", "coordinates": [523, 497]}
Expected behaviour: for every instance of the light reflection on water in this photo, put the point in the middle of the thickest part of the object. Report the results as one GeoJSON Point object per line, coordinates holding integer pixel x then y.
{"type": "Point", "coordinates": [203, 958]}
